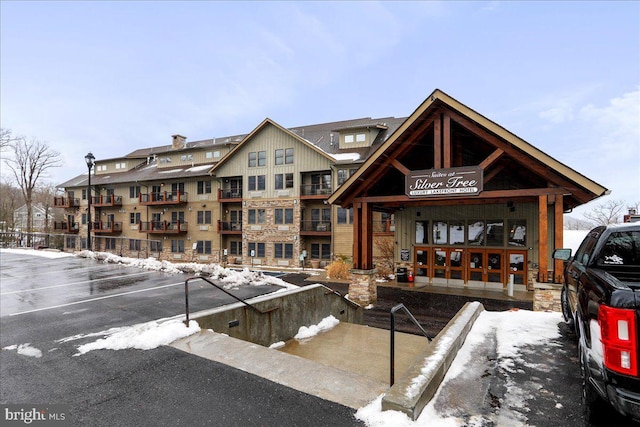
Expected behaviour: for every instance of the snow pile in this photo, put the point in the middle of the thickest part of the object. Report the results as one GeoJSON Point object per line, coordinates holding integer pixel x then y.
{"type": "Point", "coordinates": [142, 336]}
{"type": "Point", "coordinates": [25, 350]}
{"type": "Point", "coordinates": [44, 253]}
{"type": "Point", "coordinates": [514, 331]}
{"type": "Point", "coordinates": [311, 331]}
{"type": "Point", "coordinates": [231, 279]}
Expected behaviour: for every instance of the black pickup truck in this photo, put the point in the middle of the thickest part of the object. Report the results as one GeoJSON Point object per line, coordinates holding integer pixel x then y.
{"type": "Point", "coordinates": [601, 298]}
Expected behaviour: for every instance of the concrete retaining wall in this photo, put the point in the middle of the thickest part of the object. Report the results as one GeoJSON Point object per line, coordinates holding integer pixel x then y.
{"type": "Point", "coordinates": [415, 389]}
{"type": "Point", "coordinates": [305, 306]}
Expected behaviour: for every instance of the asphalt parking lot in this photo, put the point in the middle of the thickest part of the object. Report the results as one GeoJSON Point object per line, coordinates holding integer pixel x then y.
{"type": "Point", "coordinates": [45, 300]}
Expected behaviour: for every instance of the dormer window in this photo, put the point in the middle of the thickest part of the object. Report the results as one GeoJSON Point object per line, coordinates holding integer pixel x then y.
{"type": "Point", "coordinates": [357, 137]}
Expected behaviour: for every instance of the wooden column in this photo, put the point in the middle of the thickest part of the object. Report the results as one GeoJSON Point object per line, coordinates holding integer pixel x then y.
{"type": "Point", "coordinates": [558, 211]}
{"type": "Point", "coordinates": [446, 141]}
{"type": "Point", "coordinates": [543, 247]}
{"type": "Point", "coordinates": [357, 248]}
{"type": "Point", "coordinates": [437, 144]}
{"type": "Point", "coordinates": [366, 236]}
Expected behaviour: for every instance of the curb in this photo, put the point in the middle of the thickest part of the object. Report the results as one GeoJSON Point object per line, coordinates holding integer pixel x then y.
{"type": "Point", "coordinates": [411, 393]}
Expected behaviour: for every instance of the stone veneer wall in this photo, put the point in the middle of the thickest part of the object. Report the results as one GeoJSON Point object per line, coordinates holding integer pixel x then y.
{"type": "Point", "coordinates": [546, 297]}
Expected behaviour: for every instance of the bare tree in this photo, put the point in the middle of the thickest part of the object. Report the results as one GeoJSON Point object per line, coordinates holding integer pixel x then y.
{"type": "Point", "coordinates": [9, 200]}
{"type": "Point", "coordinates": [606, 213]}
{"type": "Point", "coordinates": [5, 138]}
{"type": "Point", "coordinates": [30, 160]}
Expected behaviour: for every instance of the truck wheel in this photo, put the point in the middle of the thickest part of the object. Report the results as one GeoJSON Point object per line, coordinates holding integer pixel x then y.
{"type": "Point", "coordinates": [566, 310]}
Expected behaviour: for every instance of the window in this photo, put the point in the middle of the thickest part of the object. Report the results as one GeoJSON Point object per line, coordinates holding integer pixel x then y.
{"type": "Point", "coordinates": [321, 183]}
{"type": "Point", "coordinates": [283, 250]}
{"type": "Point", "coordinates": [134, 244]}
{"type": "Point", "coordinates": [122, 165]}
{"type": "Point", "coordinates": [134, 217]}
{"type": "Point", "coordinates": [258, 158]}
{"type": "Point", "coordinates": [101, 168]}
{"type": "Point", "coordinates": [155, 246]}
{"type": "Point", "coordinates": [84, 218]}
{"type": "Point", "coordinates": [257, 183]}
{"type": "Point", "coordinates": [204, 217]}
{"type": "Point", "coordinates": [84, 194]}
{"type": "Point", "coordinates": [204, 187]}
{"type": "Point", "coordinates": [212, 154]}
{"type": "Point", "coordinates": [283, 216]}
{"type": "Point", "coordinates": [283, 180]}
{"type": "Point", "coordinates": [258, 249]}
{"type": "Point", "coordinates": [475, 233]}
{"type": "Point", "coordinates": [348, 138]}
{"type": "Point", "coordinates": [186, 157]}
{"type": "Point", "coordinates": [495, 233]}
{"type": "Point", "coordinates": [110, 243]}
{"type": "Point", "coordinates": [456, 232]}
{"type": "Point", "coordinates": [345, 216]}
{"type": "Point", "coordinates": [284, 156]}
{"type": "Point", "coordinates": [517, 232]}
{"type": "Point", "coordinates": [134, 191]}
{"type": "Point", "coordinates": [71, 242]}
{"type": "Point", "coordinates": [422, 232]}
{"type": "Point", "coordinates": [204, 247]}
{"type": "Point", "coordinates": [440, 233]}
{"type": "Point", "coordinates": [257, 216]}
{"type": "Point", "coordinates": [343, 175]}
{"type": "Point", "coordinates": [177, 246]}
{"type": "Point", "coordinates": [361, 137]}
{"type": "Point", "coordinates": [320, 251]}
{"type": "Point", "coordinates": [235, 248]}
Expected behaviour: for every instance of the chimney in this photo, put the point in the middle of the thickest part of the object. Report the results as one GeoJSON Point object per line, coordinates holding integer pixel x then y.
{"type": "Point", "coordinates": [178, 142]}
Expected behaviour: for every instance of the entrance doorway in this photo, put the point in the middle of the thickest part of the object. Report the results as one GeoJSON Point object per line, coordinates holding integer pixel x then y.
{"type": "Point", "coordinates": [448, 266]}
{"type": "Point", "coordinates": [485, 268]}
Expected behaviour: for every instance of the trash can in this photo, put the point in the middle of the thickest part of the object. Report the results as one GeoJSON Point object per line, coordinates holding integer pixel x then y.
{"type": "Point", "coordinates": [401, 274]}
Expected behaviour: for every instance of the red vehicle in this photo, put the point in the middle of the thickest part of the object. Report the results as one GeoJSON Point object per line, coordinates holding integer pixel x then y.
{"type": "Point", "coordinates": [601, 297]}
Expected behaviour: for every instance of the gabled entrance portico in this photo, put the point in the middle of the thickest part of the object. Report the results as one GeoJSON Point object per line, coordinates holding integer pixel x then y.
{"type": "Point", "coordinates": [473, 203]}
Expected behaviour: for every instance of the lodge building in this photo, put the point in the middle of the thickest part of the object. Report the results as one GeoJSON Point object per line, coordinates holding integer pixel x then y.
{"type": "Point", "coordinates": [463, 201]}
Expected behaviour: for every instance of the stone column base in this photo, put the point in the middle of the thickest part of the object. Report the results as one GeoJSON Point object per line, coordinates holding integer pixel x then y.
{"type": "Point", "coordinates": [362, 287]}
{"type": "Point", "coordinates": [546, 297]}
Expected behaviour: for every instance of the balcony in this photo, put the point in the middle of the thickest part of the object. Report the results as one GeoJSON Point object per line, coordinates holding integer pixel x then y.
{"type": "Point", "coordinates": [66, 227]}
{"type": "Point", "coordinates": [229, 227]}
{"type": "Point", "coordinates": [315, 191]}
{"type": "Point", "coordinates": [110, 227]}
{"type": "Point", "coordinates": [163, 227]}
{"type": "Point", "coordinates": [230, 195]}
{"type": "Point", "coordinates": [66, 202]}
{"type": "Point", "coordinates": [315, 228]}
{"type": "Point", "coordinates": [163, 198]}
{"type": "Point", "coordinates": [106, 201]}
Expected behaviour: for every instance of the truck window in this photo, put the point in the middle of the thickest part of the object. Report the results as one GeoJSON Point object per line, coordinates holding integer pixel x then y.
{"type": "Point", "coordinates": [621, 249]}
{"type": "Point", "coordinates": [583, 254]}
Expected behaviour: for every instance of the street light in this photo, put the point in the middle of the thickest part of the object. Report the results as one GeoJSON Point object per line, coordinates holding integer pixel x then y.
{"type": "Point", "coordinates": [89, 158]}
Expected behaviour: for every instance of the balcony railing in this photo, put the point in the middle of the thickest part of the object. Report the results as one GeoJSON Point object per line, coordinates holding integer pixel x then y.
{"type": "Point", "coordinates": [163, 227]}
{"type": "Point", "coordinates": [230, 195]}
{"type": "Point", "coordinates": [310, 190]}
{"type": "Point", "coordinates": [229, 227]}
{"type": "Point", "coordinates": [108, 200]}
{"type": "Point", "coordinates": [109, 227]}
{"type": "Point", "coordinates": [66, 202]}
{"type": "Point", "coordinates": [66, 226]}
{"type": "Point", "coordinates": [315, 227]}
{"type": "Point", "coordinates": [163, 198]}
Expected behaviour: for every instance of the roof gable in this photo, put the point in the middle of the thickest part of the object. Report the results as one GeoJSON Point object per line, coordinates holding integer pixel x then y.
{"type": "Point", "coordinates": [499, 144]}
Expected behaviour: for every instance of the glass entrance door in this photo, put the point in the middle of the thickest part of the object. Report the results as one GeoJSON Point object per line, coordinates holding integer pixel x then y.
{"type": "Point", "coordinates": [448, 266]}
{"type": "Point", "coordinates": [422, 264]}
{"type": "Point", "coordinates": [495, 268]}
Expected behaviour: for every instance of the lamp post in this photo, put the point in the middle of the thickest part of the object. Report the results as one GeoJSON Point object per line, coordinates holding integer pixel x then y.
{"type": "Point", "coordinates": [89, 158]}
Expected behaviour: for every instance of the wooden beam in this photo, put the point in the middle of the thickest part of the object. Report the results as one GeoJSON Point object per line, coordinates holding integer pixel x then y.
{"type": "Point", "coordinates": [437, 144]}
{"type": "Point", "coordinates": [495, 171]}
{"type": "Point", "coordinates": [558, 265]}
{"type": "Point", "coordinates": [402, 168]}
{"type": "Point", "coordinates": [491, 158]}
{"type": "Point", "coordinates": [446, 140]}
{"type": "Point", "coordinates": [496, 194]}
{"type": "Point", "coordinates": [543, 247]}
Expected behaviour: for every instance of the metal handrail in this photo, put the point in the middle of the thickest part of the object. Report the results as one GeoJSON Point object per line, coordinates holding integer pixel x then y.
{"type": "Point", "coordinates": [393, 330]}
{"type": "Point", "coordinates": [186, 298]}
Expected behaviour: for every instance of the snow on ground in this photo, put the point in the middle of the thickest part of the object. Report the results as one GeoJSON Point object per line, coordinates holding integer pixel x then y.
{"type": "Point", "coordinates": [513, 330]}
{"type": "Point", "coordinates": [25, 350]}
{"type": "Point", "coordinates": [142, 336]}
{"type": "Point", "coordinates": [45, 253]}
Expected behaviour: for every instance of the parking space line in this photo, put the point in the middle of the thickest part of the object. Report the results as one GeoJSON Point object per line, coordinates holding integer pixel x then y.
{"type": "Point", "coordinates": [74, 283]}
{"type": "Point", "coordinates": [95, 299]}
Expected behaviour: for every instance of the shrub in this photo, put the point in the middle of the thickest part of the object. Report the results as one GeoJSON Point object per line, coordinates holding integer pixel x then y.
{"type": "Point", "coordinates": [339, 269]}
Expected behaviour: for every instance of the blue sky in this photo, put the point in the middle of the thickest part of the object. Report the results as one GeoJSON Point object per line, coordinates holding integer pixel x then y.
{"type": "Point", "coordinates": [110, 77]}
